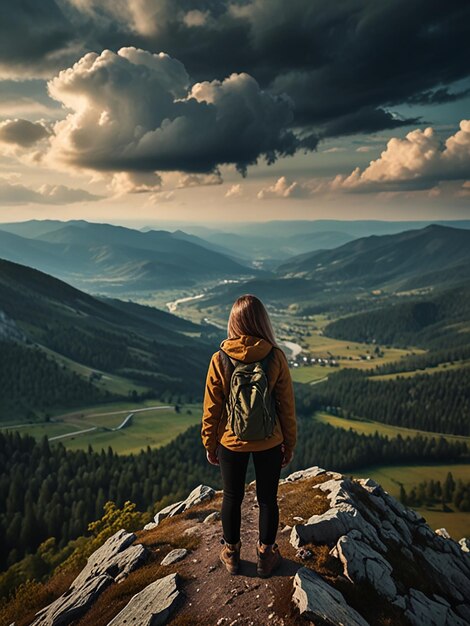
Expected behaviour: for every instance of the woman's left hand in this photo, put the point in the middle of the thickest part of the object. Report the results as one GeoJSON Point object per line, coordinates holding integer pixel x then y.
{"type": "Point", "coordinates": [212, 457]}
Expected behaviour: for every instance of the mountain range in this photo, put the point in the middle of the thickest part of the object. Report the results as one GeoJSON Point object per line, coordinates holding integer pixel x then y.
{"type": "Point", "coordinates": [102, 258]}
{"type": "Point", "coordinates": [434, 254]}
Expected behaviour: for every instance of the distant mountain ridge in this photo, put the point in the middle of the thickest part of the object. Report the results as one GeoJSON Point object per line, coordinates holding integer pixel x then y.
{"type": "Point", "coordinates": [387, 259]}
{"type": "Point", "coordinates": [114, 259]}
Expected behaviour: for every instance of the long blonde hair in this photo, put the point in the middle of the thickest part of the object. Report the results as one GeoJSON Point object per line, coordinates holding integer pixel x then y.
{"type": "Point", "coordinates": [250, 317]}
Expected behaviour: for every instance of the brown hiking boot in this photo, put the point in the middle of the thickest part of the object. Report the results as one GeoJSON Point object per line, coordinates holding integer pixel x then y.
{"type": "Point", "coordinates": [230, 556]}
{"type": "Point", "coordinates": [269, 558]}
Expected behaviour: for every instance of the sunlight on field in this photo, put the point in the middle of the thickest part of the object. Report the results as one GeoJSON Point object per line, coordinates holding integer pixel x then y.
{"type": "Point", "coordinates": [309, 373]}
{"type": "Point", "coordinates": [152, 424]}
{"type": "Point", "coordinates": [442, 367]}
{"type": "Point", "coordinates": [50, 429]}
{"type": "Point", "coordinates": [152, 428]}
{"type": "Point", "coordinates": [369, 427]}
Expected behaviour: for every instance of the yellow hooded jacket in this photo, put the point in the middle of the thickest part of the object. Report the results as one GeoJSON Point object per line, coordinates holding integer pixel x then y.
{"type": "Point", "coordinates": [215, 428]}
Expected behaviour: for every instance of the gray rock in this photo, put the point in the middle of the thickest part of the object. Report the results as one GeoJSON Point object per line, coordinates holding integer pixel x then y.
{"type": "Point", "coordinates": [115, 556]}
{"type": "Point", "coordinates": [150, 526]}
{"type": "Point", "coordinates": [331, 525]}
{"type": "Point", "coordinates": [169, 511]}
{"type": "Point", "coordinates": [400, 602]}
{"type": "Point", "coordinates": [212, 517]}
{"type": "Point", "coordinates": [151, 606]}
{"type": "Point", "coordinates": [443, 533]}
{"type": "Point", "coordinates": [174, 556]}
{"type": "Point", "coordinates": [422, 611]}
{"type": "Point", "coordinates": [362, 563]}
{"type": "Point", "coordinates": [464, 611]}
{"type": "Point", "coordinates": [306, 473]}
{"type": "Point", "coordinates": [370, 484]}
{"type": "Point", "coordinates": [448, 573]}
{"type": "Point", "coordinates": [113, 560]}
{"type": "Point", "coordinates": [465, 544]}
{"type": "Point", "coordinates": [73, 603]}
{"type": "Point", "coordinates": [317, 600]}
{"type": "Point", "coordinates": [338, 490]}
{"type": "Point", "coordinates": [197, 495]}
{"type": "Point", "coordinates": [387, 532]}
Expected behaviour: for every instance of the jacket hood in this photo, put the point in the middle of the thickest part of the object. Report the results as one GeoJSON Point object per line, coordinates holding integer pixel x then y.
{"type": "Point", "coordinates": [246, 348]}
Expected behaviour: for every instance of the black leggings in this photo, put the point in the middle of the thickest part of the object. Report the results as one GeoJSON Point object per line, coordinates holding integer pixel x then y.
{"type": "Point", "coordinates": [233, 466]}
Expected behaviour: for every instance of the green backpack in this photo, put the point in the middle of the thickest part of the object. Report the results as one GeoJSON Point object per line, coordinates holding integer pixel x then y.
{"type": "Point", "coordinates": [251, 408]}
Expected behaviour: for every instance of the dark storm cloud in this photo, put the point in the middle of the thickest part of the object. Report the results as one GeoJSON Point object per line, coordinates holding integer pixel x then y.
{"type": "Point", "coordinates": [137, 112]}
{"type": "Point", "coordinates": [365, 120]}
{"type": "Point", "coordinates": [345, 65]}
{"type": "Point", "coordinates": [336, 60]}
{"type": "Point", "coordinates": [22, 132]}
{"type": "Point", "coordinates": [36, 38]}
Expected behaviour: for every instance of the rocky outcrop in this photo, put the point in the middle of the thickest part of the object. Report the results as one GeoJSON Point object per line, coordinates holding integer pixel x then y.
{"type": "Point", "coordinates": [113, 561]}
{"type": "Point", "coordinates": [197, 495]}
{"type": "Point", "coordinates": [151, 606]}
{"type": "Point", "coordinates": [317, 600]}
{"type": "Point", "coordinates": [368, 548]}
{"type": "Point", "coordinates": [380, 542]}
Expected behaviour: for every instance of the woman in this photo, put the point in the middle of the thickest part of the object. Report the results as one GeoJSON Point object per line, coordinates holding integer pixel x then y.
{"type": "Point", "coordinates": [250, 338]}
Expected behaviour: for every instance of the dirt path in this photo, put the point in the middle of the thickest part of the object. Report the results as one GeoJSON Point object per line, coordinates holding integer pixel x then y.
{"type": "Point", "coordinates": [244, 599]}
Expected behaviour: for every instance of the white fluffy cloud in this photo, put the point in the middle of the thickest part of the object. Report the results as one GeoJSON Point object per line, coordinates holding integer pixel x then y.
{"type": "Point", "coordinates": [135, 182]}
{"type": "Point", "coordinates": [419, 161]}
{"type": "Point", "coordinates": [199, 180]}
{"type": "Point", "coordinates": [235, 191]}
{"type": "Point", "coordinates": [16, 193]}
{"type": "Point", "coordinates": [135, 111]}
{"type": "Point", "coordinates": [283, 188]}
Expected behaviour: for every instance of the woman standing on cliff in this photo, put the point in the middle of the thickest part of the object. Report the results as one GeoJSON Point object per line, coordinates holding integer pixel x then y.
{"type": "Point", "coordinates": [250, 339]}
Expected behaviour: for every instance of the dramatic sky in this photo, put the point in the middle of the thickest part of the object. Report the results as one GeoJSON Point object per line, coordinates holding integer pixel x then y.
{"type": "Point", "coordinates": [200, 110]}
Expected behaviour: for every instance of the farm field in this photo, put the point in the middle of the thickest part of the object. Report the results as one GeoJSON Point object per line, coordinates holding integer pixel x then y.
{"type": "Point", "coordinates": [310, 373]}
{"type": "Point", "coordinates": [428, 370]}
{"type": "Point", "coordinates": [369, 427]}
{"type": "Point", "coordinates": [390, 477]}
{"type": "Point", "coordinates": [153, 424]}
{"type": "Point", "coordinates": [153, 428]}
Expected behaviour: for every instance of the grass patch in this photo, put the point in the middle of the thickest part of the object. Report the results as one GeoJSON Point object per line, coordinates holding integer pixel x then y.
{"type": "Point", "coordinates": [295, 502]}
{"type": "Point", "coordinates": [369, 427]}
{"type": "Point", "coordinates": [425, 370]}
{"type": "Point", "coordinates": [32, 596]}
{"type": "Point", "coordinates": [153, 424]}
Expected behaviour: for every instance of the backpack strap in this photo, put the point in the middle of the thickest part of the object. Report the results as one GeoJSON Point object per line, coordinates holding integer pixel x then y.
{"type": "Point", "coordinates": [265, 362]}
{"type": "Point", "coordinates": [228, 365]}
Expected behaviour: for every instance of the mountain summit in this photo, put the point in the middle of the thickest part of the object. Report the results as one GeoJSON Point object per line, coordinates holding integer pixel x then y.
{"type": "Point", "coordinates": [353, 556]}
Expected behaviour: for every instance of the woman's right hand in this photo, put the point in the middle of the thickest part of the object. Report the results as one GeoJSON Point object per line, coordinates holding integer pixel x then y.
{"type": "Point", "coordinates": [287, 457]}
{"type": "Point", "coordinates": [212, 457]}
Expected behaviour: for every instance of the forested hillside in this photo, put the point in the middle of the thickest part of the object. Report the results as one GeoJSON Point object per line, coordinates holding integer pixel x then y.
{"type": "Point", "coordinates": [146, 347]}
{"type": "Point", "coordinates": [437, 402]}
{"type": "Point", "coordinates": [31, 382]}
{"type": "Point", "coordinates": [435, 321]}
